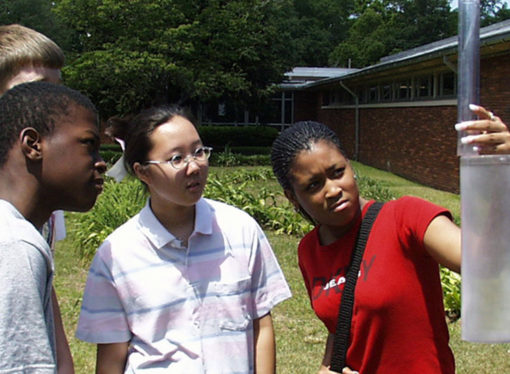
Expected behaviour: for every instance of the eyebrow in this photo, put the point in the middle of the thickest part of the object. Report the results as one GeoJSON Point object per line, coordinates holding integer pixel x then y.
{"type": "Point", "coordinates": [194, 144]}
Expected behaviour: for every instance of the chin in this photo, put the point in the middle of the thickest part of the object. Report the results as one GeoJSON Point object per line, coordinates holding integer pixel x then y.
{"type": "Point", "coordinates": [83, 206]}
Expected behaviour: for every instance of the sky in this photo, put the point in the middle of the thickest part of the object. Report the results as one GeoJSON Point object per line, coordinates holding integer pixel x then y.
{"type": "Point", "coordinates": [454, 3]}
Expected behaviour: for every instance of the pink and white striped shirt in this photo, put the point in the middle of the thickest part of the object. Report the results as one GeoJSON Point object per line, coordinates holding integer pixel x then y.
{"type": "Point", "coordinates": [190, 309]}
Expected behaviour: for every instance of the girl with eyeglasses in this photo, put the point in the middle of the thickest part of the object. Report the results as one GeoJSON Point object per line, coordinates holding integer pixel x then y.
{"type": "Point", "coordinates": [187, 285]}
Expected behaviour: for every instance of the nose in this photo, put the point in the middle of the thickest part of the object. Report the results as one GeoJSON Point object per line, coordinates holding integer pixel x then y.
{"type": "Point", "coordinates": [192, 166]}
{"type": "Point", "coordinates": [332, 189]}
{"type": "Point", "coordinates": [100, 165]}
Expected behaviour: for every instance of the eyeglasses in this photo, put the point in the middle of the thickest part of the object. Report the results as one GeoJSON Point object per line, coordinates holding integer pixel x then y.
{"type": "Point", "coordinates": [178, 161]}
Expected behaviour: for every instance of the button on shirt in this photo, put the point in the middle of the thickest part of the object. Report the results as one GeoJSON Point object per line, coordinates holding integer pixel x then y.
{"type": "Point", "coordinates": [189, 309]}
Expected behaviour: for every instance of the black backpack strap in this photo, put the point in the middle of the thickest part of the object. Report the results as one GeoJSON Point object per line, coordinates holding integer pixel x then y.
{"type": "Point", "coordinates": [343, 327]}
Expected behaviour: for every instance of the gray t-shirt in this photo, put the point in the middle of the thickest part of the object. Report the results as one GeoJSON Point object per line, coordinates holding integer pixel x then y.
{"type": "Point", "coordinates": [27, 338]}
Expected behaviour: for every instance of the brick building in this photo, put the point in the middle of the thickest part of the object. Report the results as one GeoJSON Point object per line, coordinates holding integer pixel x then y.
{"type": "Point", "coordinates": [398, 114]}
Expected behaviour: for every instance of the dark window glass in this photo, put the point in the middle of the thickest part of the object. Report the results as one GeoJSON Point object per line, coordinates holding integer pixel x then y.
{"type": "Point", "coordinates": [448, 84]}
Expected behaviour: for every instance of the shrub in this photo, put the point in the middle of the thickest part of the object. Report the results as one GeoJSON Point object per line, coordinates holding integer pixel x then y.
{"type": "Point", "coordinates": [251, 150]}
{"type": "Point", "coordinates": [246, 136]}
{"type": "Point", "coordinates": [110, 156]}
{"type": "Point", "coordinates": [229, 158]}
{"type": "Point", "coordinates": [451, 283]}
{"type": "Point", "coordinates": [117, 203]}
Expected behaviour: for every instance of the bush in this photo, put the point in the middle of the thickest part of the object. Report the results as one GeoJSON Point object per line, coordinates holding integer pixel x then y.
{"type": "Point", "coordinates": [110, 156]}
{"type": "Point", "coordinates": [237, 136]}
{"type": "Point", "coordinates": [451, 283]}
{"type": "Point", "coordinates": [117, 203]}
{"type": "Point", "coordinates": [251, 150]}
{"type": "Point", "coordinates": [229, 158]}
{"type": "Point", "coordinates": [110, 152]}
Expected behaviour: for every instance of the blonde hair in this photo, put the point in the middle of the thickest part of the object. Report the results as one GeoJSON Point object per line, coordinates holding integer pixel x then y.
{"type": "Point", "coordinates": [21, 46]}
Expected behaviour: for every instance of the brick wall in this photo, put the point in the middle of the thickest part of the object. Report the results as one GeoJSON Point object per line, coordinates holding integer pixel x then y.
{"type": "Point", "coordinates": [305, 105]}
{"type": "Point", "coordinates": [419, 143]}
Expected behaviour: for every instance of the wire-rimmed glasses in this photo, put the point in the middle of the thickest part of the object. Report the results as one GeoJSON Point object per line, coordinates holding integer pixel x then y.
{"type": "Point", "coordinates": [178, 161]}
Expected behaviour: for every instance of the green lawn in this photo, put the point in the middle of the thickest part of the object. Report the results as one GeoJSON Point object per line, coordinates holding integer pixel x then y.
{"type": "Point", "coordinates": [300, 336]}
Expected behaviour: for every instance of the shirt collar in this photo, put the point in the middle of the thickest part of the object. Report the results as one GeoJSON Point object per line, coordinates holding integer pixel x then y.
{"type": "Point", "coordinates": [159, 236]}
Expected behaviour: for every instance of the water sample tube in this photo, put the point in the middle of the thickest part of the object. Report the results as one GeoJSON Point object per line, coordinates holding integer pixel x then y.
{"type": "Point", "coordinates": [468, 79]}
{"type": "Point", "coordinates": [485, 201]}
{"type": "Point", "coordinates": [485, 182]}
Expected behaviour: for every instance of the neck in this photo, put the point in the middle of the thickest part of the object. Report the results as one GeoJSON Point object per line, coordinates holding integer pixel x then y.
{"type": "Point", "coordinates": [177, 219]}
{"type": "Point", "coordinates": [24, 195]}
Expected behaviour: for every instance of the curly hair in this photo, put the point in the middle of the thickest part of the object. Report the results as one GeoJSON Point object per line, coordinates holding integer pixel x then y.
{"type": "Point", "coordinates": [38, 105]}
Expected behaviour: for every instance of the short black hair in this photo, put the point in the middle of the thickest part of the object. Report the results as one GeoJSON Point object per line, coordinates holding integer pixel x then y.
{"type": "Point", "coordinates": [37, 105]}
{"type": "Point", "coordinates": [300, 136]}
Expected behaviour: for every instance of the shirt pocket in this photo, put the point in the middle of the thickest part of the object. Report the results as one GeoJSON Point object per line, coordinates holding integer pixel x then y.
{"type": "Point", "coordinates": [228, 306]}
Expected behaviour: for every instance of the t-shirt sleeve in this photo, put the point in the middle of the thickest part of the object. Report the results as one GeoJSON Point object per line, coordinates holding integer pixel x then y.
{"type": "Point", "coordinates": [102, 316]}
{"type": "Point", "coordinates": [414, 215]}
{"type": "Point", "coordinates": [268, 283]}
{"type": "Point", "coordinates": [25, 293]}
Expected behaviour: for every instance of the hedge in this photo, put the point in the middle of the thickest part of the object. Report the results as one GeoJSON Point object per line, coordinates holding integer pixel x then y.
{"type": "Point", "coordinates": [219, 137]}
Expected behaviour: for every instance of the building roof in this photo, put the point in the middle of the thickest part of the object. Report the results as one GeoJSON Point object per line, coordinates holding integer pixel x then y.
{"type": "Point", "coordinates": [488, 35]}
{"type": "Point", "coordinates": [302, 76]}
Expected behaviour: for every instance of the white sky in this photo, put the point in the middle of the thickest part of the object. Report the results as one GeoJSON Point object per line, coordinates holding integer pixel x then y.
{"type": "Point", "coordinates": [454, 3]}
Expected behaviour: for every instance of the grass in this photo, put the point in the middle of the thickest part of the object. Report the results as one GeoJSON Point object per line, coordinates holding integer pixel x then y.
{"type": "Point", "coordinates": [300, 335]}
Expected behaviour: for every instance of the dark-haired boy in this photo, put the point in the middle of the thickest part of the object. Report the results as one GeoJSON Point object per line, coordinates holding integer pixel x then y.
{"type": "Point", "coordinates": [49, 160]}
{"type": "Point", "coordinates": [27, 55]}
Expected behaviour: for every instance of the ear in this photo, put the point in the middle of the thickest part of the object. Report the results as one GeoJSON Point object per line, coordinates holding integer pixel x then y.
{"type": "Point", "coordinates": [31, 143]}
{"type": "Point", "coordinates": [141, 173]}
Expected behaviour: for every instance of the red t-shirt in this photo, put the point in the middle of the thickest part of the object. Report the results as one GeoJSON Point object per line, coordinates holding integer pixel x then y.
{"type": "Point", "coordinates": [398, 321]}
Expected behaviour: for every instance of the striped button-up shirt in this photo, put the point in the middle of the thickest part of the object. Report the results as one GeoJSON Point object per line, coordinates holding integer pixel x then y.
{"type": "Point", "coordinates": [188, 309]}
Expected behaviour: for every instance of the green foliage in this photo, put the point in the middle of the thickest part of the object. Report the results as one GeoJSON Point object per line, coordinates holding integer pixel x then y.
{"type": "Point", "coordinates": [251, 150]}
{"type": "Point", "coordinates": [246, 136]}
{"type": "Point", "coordinates": [225, 158]}
{"type": "Point", "coordinates": [451, 283]}
{"type": "Point", "coordinates": [37, 15]}
{"type": "Point", "coordinates": [110, 152]}
{"type": "Point", "coordinates": [140, 52]}
{"type": "Point", "coordinates": [380, 28]}
{"type": "Point", "coordinates": [110, 156]}
{"type": "Point", "coordinates": [229, 158]}
{"type": "Point", "coordinates": [117, 203]}
{"type": "Point", "coordinates": [270, 209]}
{"type": "Point", "coordinates": [372, 190]}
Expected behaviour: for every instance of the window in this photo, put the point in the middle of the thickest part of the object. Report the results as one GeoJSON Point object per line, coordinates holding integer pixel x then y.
{"type": "Point", "coordinates": [424, 87]}
{"type": "Point", "coordinates": [372, 94]}
{"type": "Point", "coordinates": [403, 90]}
{"type": "Point", "coordinates": [447, 84]}
{"type": "Point", "coordinates": [439, 85]}
{"type": "Point", "coordinates": [386, 92]}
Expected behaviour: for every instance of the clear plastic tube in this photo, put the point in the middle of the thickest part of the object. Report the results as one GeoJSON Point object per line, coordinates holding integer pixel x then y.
{"type": "Point", "coordinates": [468, 86]}
{"type": "Point", "coordinates": [484, 186]}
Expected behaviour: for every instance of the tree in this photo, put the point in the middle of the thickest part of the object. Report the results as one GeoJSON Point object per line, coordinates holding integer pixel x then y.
{"type": "Point", "coordinates": [383, 27]}
{"type": "Point", "coordinates": [492, 11]}
{"type": "Point", "coordinates": [139, 52]}
{"type": "Point", "coordinates": [317, 26]}
{"type": "Point", "coordinates": [37, 15]}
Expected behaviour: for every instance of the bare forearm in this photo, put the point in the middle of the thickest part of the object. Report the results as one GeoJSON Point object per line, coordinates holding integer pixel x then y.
{"type": "Point", "coordinates": [265, 352]}
{"type": "Point", "coordinates": [111, 358]}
